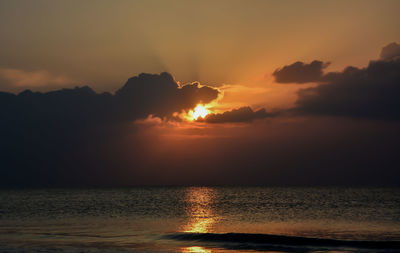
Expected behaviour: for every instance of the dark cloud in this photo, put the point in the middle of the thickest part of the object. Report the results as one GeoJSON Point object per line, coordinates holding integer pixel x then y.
{"type": "Point", "coordinates": [371, 92]}
{"type": "Point", "coordinates": [242, 114]}
{"type": "Point", "coordinates": [74, 136]}
{"type": "Point", "coordinates": [390, 52]}
{"type": "Point", "coordinates": [300, 72]}
{"type": "Point", "coordinates": [141, 96]}
{"type": "Point", "coordinates": [159, 95]}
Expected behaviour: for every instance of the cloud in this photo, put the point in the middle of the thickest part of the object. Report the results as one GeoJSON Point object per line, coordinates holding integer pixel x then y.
{"type": "Point", "coordinates": [17, 78]}
{"type": "Point", "coordinates": [66, 136]}
{"type": "Point", "coordinates": [159, 95]}
{"type": "Point", "coordinates": [141, 96]}
{"type": "Point", "coordinates": [390, 51]}
{"type": "Point", "coordinates": [243, 114]}
{"type": "Point", "coordinates": [371, 92]}
{"type": "Point", "coordinates": [300, 72]}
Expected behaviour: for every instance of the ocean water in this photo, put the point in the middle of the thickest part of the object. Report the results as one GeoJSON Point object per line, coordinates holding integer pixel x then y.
{"type": "Point", "coordinates": [200, 219]}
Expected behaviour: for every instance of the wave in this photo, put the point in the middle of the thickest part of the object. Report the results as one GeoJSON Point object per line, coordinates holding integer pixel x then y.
{"type": "Point", "coordinates": [281, 242]}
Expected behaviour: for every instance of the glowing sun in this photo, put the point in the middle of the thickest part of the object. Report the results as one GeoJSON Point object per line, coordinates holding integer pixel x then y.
{"type": "Point", "coordinates": [199, 111]}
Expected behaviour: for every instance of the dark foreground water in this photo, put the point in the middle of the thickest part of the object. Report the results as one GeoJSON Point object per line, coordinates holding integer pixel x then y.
{"type": "Point", "coordinates": [200, 219]}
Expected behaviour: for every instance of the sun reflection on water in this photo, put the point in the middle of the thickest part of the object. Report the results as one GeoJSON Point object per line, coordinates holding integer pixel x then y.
{"type": "Point", "coordinates": [201, 216]}
{"type": "Point", "coordinates": [199, 210]}
{"type": "Point", "coordinates": [195, 249]}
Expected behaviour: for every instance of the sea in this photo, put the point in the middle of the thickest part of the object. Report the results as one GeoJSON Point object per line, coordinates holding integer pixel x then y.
{"type": "Point", "coordinates": [200, 219]}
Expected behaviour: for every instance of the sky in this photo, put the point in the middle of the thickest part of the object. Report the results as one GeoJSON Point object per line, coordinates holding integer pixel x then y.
{"type": "Point", "coordinates": [108, 93]}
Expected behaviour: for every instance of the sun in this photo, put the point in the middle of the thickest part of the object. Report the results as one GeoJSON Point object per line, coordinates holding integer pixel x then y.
{"type": "Point", "coordinates": [199, 111]}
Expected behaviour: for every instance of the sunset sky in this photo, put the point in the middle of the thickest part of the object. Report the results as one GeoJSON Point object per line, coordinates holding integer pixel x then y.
{"type": "Point", "coordinates": [288, 92]}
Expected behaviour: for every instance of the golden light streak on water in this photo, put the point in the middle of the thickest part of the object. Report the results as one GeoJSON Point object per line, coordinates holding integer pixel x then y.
{"type": "Point", "coordinates": [199, 210]}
